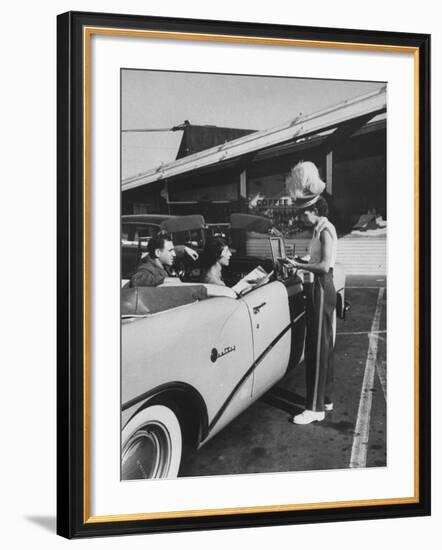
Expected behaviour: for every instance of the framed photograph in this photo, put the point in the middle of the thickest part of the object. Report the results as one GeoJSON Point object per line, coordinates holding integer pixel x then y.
{"type": "Point", "coordinates": [243, 274]}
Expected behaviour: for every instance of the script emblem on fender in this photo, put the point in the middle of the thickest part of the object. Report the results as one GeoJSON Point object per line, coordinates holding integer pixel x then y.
{"type": "Point", "coordinates": [215, 354]}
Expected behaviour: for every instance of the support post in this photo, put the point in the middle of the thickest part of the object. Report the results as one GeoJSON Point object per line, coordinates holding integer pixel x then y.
{"type": "Point", "coordinates": [243, 190]}
{"type": "Point", "coordinates": [329, 172]}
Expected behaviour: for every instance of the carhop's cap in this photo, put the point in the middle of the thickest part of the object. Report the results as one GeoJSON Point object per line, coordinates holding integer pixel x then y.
{"type": "Point", "coordinates": [304, 202]}
{"type": "Point", "coordinates": [304, 181]}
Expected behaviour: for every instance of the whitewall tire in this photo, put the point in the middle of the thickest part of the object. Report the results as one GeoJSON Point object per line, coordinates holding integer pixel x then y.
{"type": "Point", "coordinates": [151, 444]}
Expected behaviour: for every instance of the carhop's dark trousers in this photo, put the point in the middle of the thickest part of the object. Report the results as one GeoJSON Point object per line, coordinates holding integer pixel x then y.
{"type": "Point", "coordinates": [319, 366]}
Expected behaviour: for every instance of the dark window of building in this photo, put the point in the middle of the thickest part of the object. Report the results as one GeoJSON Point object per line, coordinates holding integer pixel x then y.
{"type": "Point", "coordinates": [208, 187]}
{"type": "Point", "coordinates": [359, 177]}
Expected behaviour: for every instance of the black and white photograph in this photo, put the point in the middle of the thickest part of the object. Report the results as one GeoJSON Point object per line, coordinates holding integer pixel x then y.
{"type": "Point", "coordinates": [253, 274]}
{"type": "Point", "coordinates": [218, 214]}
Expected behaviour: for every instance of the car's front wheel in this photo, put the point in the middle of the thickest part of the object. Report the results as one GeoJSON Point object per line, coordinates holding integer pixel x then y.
{"type": "Point", "coordinates": [152, 444]}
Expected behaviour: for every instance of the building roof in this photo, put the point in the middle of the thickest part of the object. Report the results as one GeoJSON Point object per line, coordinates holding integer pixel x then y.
{"type": "Point", "coordinates": [198, 138]}
{"type": "Point", "coordinates": [361, 108]}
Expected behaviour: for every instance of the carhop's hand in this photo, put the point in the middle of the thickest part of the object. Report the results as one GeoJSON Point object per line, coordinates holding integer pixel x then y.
{"type": "Point", "coordinates": [295, 263]}
{"type": "Point", "coordinates": [191, 253]}
{"type": "Point", "coordinates": [291, 262]}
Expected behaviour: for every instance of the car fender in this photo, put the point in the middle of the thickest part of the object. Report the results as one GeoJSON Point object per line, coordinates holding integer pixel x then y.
{"type": "Point", "coordinates": [178, 346]}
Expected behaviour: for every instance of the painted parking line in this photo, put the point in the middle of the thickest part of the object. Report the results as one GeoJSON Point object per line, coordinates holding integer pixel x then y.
{"type": "Point", "coordinates": [362, 287]}
{"type": "Point", "coordinates": [362, 430]}
{"type": "Point", "coordinates": [381, 369]}
{"type": "Point", "coordinates": [361, 332]}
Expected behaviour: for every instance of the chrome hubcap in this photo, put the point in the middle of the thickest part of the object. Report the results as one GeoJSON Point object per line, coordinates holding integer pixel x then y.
{"type": "Point", "coordinates": [147, 453]}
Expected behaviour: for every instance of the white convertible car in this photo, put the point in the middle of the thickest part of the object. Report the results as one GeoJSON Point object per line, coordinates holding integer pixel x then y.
{"type": "Point", "coordinates": [191, 364]}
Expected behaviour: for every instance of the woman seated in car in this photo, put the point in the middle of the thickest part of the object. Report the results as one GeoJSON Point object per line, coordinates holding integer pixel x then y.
{"type": "Point", "coordinates": [215, 256]}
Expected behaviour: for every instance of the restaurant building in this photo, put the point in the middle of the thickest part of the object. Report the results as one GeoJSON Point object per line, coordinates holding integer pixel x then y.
{"type": "Point", "coordinates": [219, 171]}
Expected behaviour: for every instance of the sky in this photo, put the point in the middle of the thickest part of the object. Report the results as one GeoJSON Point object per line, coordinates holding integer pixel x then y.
{"type": "Point", "coordinates": [163, 99]}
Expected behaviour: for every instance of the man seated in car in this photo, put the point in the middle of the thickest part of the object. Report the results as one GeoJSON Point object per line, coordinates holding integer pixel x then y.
{"type": "Point", "coordinates": [161, 255]}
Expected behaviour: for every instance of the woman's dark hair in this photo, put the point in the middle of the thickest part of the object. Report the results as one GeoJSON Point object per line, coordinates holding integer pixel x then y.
{"type": "Point", "coordinates": [212, 252]}
{"type": "Point", "coordinates": [321, 207]}
{"type": "Point", "coordinates": [157, 242]}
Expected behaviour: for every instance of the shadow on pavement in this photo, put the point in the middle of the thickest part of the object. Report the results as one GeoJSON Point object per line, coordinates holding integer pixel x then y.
{"type": "Point", "coordinates": [285, 400]}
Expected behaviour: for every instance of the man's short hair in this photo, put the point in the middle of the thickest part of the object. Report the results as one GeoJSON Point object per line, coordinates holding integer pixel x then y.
{"type": "Point", "coordinates": [157, 242]}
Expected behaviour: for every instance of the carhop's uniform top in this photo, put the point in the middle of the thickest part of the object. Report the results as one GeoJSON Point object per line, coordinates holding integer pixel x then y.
{"type": "Point", "coordinates": [315, 250]}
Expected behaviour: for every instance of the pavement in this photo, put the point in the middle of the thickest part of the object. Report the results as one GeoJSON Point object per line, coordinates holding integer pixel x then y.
{"type": "Point", "coordinates": [262, 439]}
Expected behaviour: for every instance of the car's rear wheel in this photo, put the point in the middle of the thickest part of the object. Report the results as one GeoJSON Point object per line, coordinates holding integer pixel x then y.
{"type": "Point", "coordinates": [152, 444]}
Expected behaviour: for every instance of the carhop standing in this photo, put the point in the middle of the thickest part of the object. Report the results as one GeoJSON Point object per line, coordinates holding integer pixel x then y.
{"type": "Point", "coordinates": [320, 295]}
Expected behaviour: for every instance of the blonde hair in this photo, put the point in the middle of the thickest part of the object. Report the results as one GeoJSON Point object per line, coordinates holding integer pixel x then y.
{"type": "Point", "coordinates": [304, 181]}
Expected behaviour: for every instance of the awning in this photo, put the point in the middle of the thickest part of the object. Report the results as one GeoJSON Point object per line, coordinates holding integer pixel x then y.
{"type": "Point", "coordinates": [363, 107]}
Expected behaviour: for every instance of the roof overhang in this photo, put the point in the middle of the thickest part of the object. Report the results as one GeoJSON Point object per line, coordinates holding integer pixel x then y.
{"type": "Point", "coordinates": [363, 107]}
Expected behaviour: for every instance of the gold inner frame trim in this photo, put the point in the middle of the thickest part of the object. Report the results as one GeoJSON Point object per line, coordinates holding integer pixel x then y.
{"type": "Point", "coordinates": [243, 510]}
{"type": "Point", "coordinates": [87, 33]}
{"type": "Point", "coordinates": [86, 279]}
{"type": "Point", "coordinates": [416, 275]}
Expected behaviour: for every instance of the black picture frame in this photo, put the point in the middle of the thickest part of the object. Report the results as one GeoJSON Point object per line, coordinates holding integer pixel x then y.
{"type": "Point", "coordinates": [73, 520]}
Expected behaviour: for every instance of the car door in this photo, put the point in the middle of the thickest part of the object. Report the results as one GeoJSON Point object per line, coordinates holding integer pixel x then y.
{"type": "Point", "coordinates": [206, 345]}
{"type": "Point", "coordinates": [270, 321]}
{"type": "Point", "coordinates": [228, 343]}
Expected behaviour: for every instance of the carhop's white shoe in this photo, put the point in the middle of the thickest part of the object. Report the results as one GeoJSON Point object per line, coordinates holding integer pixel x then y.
{"type": "Point", "coordinates": [307, 417]}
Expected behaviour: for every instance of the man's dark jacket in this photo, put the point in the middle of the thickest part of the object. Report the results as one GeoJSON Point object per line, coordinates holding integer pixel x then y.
{"type": "Point", "coordinates": [148, 273]}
